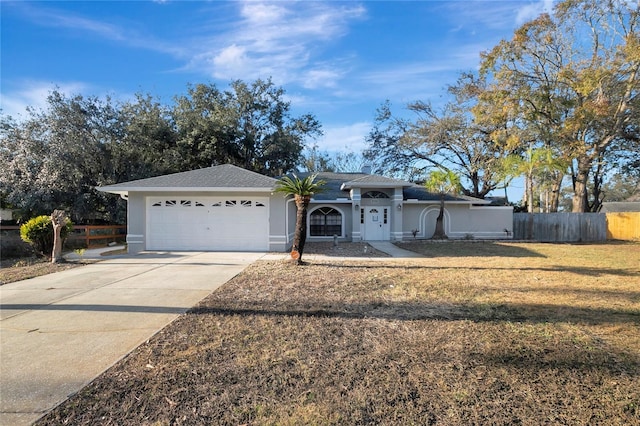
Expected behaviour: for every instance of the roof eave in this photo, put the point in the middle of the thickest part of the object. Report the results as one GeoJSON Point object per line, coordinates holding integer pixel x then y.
{"type": "Point", "coordinates": [348, 185]}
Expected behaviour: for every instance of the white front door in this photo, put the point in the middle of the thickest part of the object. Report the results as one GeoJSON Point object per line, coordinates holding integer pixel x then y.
{"type": "Point", "coordinates": [376, 223]}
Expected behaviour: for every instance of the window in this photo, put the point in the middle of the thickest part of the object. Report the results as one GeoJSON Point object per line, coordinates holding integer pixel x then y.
{"type": "Point", "coordinates": [325, 222]}
{"type": "Point", "coordinates": [374, 194]}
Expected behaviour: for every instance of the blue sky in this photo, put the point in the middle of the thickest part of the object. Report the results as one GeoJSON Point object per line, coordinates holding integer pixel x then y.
{"type": "Point", "coordinates": [336, 60]}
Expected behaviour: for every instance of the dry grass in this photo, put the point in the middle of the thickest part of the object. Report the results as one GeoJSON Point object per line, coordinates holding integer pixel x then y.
{"type": "Point", "coordinates": [474, 333]}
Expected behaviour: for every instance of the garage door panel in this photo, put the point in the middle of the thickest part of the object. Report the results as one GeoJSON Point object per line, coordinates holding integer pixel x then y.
{"type": "Point", "coordinates": [207, 223]}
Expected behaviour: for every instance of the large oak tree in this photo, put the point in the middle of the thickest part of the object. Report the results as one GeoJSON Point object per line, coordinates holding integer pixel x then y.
{"type": "Point", "coordinates": [569, 82]}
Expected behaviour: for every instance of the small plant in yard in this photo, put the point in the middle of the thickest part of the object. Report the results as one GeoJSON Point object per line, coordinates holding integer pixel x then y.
{"type": "Point", "coordinates": [80, 252]}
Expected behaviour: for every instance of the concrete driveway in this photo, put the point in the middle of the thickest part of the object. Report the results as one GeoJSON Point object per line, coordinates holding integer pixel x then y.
{"type": "Point", "coordinates": [60, 331]}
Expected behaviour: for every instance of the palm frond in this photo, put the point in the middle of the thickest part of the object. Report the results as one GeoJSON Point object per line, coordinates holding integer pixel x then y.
{"type": "Point", "coordinates": [303, 187]}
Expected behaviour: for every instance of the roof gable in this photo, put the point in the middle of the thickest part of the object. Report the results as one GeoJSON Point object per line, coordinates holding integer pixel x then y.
{"type": "Point", "coordinates": [375, 181]}
{"type": "Point", "coordinates": [226, 176]}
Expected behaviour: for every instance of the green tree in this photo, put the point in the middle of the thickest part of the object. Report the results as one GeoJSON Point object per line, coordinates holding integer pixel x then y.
{"type": "Point", "coordinates": [448, 138]}
{"type": "Point", "coordinates": [622, 188]}
{"type": "Point", "coordinates": [315, 161]}
{"type": "Point", "coordinates": [442, 182]}
{"type": "Point", "coordinates": [569, 81]}
{"type": "Point", "coordinates": [538, 166]}
{"type": "Point", "coordinates": [57, 156]}
{"type": "Point", "coordinates": [249, 125]}
{"type": "Point", "coordinates": [302, 190]}
{"type": "Point", "coordinates": [383, 144]}
{"type": "Point", "coordinates": [147, 147]}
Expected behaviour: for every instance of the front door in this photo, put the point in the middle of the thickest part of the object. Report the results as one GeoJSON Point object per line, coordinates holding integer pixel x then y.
{"type": "Point", "coordinates": [376, 223]}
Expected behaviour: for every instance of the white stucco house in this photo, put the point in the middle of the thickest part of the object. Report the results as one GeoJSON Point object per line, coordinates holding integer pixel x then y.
{"type": "Point", "coordinates": [229, 208]}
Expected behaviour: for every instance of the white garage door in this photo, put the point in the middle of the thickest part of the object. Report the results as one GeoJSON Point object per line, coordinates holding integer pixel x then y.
{"type": "Point", "coordinates": [208, 223]}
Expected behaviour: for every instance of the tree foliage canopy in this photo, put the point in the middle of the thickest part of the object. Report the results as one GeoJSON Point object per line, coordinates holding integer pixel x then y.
{"type": "Point", "coordinates": [55, 157]}
{"type": "Point", "coordinates": [565, 83]}
{"type": "Point", "coordinates": [569, 81]}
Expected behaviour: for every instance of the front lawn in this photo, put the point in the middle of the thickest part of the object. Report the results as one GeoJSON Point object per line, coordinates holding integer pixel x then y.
{"type": "Point", "coordinates": [474, 333]}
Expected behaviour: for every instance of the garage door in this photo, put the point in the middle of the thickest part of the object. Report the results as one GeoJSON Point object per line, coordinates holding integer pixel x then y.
{"type": "Point", "coordinates": [208, 223]}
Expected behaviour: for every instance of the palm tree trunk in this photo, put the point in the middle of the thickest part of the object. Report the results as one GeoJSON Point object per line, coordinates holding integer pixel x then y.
{"type": "Point", "coordinates": [300, 235]}
{"type": "Point", "coordinates": [439, 234]}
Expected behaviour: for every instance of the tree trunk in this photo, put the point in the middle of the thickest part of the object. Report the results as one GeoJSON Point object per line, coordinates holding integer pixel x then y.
{"type": "Point", "coordinates": [579, 204]}
{"type": "Point", "coordinates": [300, 235]}
{"type": "Point", "coordinates": [555, 192]}
{"type": "Point", "coordinates": [529, 192]}
{"type": "Point", "coordinates": [58, 219]}
{"type": "Point", "coordinates": [439, 234]}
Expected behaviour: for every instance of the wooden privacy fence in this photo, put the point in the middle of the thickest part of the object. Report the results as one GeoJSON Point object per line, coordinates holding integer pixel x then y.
{"type": "Point", "coordinates": [623, 226]}
{"type": "Point", "coordinates": [560, 227]}
{"type": "Point", "coordinates": [93, 235]}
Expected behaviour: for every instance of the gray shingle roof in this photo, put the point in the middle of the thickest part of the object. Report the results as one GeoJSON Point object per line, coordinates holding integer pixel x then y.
{"type": "Point", "coordinates": [223, 176]}
{"type": "Point", "coordinates": [338, 184]}
{"type": "Point", "coordinates": [375, 180]}
{"type": "Point", "coordinates": [620, 207]}
{"type": "Point", "coordinates": [420, 193]}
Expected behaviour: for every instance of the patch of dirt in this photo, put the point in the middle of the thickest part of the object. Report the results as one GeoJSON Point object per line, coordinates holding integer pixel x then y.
{"type": "Point", "coordinates": [12, 270]}
{"type": "Point", "coordinates": [361, 249]}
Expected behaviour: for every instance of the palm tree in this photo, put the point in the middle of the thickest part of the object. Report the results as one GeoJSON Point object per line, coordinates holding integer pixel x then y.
{"type": "Point", "coordinates": [302, 190]}
{"type": "Point", "coordinates": [443, 182]}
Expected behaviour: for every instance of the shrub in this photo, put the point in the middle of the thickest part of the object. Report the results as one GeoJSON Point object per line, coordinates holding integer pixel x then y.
{"type": "Point", "coordinates": [11, 246]}
{"type": "Point", "coordinates": [39, 233]}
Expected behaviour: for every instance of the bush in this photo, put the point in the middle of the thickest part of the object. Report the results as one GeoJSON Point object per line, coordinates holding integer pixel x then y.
{"type": "Point", "coordinates": [39, 233]}
{"type": "Point", "coordinates": [11, 246]}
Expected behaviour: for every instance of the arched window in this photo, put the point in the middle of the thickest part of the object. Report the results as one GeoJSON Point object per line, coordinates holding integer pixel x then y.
{"type": "Point", "coordinates": [375, 194]}
{"type": "Point", "coordinates": [325, 222]}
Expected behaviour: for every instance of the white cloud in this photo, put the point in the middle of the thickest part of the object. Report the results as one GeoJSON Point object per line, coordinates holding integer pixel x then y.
{"type": "Point", "coordinates": [315, 78]}
{"type": "Point", "coordinates": [129, 35]}
{"type": "Point", "coordinates": [281, 40]}
{"type": "Point", "coordinates": [261, 13]}
{"type": "Point", "coordinates": [231, 58]}
{"type": "Point", "coordinates": [494, 15]}
{"type": "Point", "coordinates": [49, 17]}
{"type": "Point", "coordinates": [348, 138]}
{"type": "Point", "coordinates": [533, 10]}
{"type": "Point", "coordinates": [34, 94]}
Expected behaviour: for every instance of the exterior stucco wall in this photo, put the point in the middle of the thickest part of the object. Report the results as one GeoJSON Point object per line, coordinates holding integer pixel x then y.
{"type": "Point", "coordinates": [137, 216]}
{"type": "Point", "coordinates": [278, 223]}
{"type": "Point", "coordinates": [136, 222]}
{"type": "Point", "coordinates": [460, 221]}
